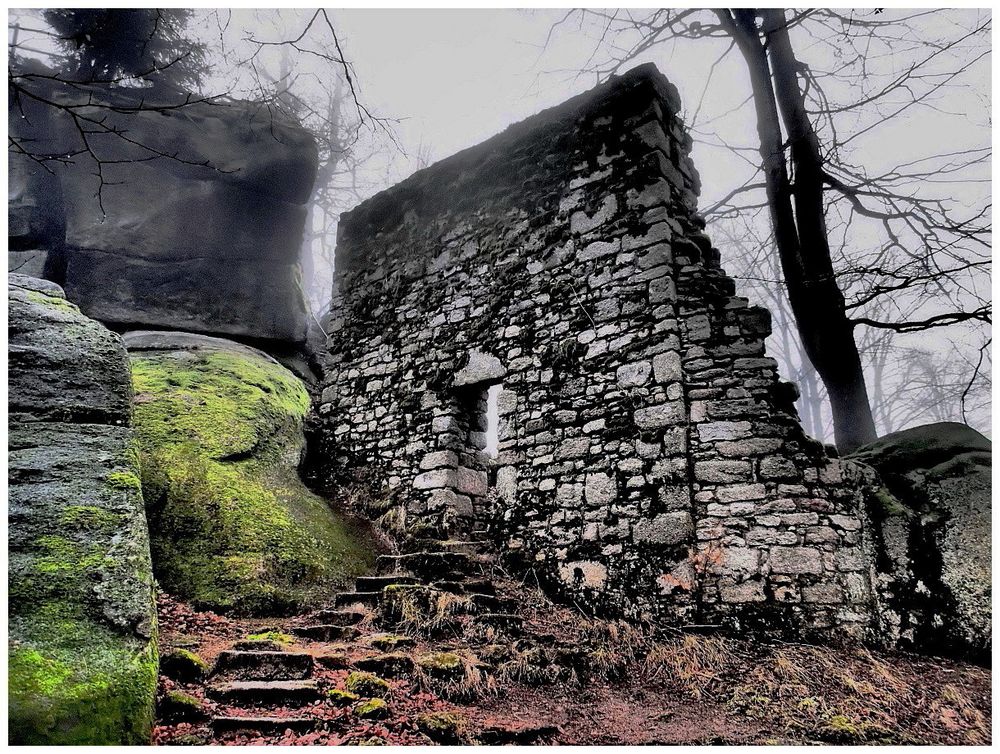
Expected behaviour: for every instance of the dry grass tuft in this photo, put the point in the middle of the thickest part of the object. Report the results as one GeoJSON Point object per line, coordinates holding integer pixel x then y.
{"type": "Point", "coordinates": [955, 711]}
{"type": "Point", "coordinates": [614, 647]}
{"type": "Point", "coordinates": [423, 611]}
{"type": "Point", "coordinates": [393, 522]}
{"type": "Point", "coordinates": [696, 663]}
{"type": "Point", "coordinates": [467, 683]}
{"type": "Point", "coordinates": [532, 667]}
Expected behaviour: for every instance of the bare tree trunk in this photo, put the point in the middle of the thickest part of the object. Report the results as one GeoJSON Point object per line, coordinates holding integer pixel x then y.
{"type": "Point", "coordinates": [800, 230]}
{"type": "Point", "coordinates": [811, 401]}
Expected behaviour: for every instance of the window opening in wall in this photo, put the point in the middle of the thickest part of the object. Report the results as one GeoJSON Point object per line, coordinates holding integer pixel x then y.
{"type": "Point", "coordinates": [492, 422]}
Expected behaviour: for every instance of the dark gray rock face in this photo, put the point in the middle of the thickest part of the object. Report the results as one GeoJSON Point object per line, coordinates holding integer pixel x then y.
{"type": "Point", "coordinates": [933, 537]}
{"type": "Point", "coordinates": [63, 366]}
{"type": "Point", "coordinates": [197, 224]}
{"type": "Point", "coordinates": [82, 652]}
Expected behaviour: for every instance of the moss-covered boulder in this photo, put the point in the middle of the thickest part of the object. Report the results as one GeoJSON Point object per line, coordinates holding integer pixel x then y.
{"type": "Point", "coordinates": [442, 727]}
{"type": "Point", "coordinates": [82, 660]}
{"type": "Point", "coordinates": [933, 537]}
{"type": "Point", "coordinates": [183, 665]}
{"type": "Point", "coordinates": [220, 432]}
{"type": "Point", "coordinates": [367, 685]}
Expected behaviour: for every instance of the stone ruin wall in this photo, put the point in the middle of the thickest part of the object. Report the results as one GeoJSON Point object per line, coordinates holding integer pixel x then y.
{"type": "Point", "coordinates": [650, 461]}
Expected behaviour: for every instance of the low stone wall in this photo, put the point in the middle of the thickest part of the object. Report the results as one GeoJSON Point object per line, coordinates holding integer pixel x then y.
{"type": "Point", "coordinates": [650, 461]}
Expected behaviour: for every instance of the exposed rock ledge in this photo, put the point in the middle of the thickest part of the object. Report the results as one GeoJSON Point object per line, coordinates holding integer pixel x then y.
{"type": "Point", "coordinates": [82, 631]}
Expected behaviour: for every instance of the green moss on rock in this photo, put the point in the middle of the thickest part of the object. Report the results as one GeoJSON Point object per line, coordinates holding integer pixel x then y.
{"type": "Point", "coordinates": [177, 706]}
{"type": "Point", "coordinates": [366, 685]}
{"type": "Point", "coordinates": [273, 636]}
{"type": "Point", "coordinates": [82, 661]}
{"type": "Point", "coordinates": [889, 504]}
{"type": "Point", "coordinates": [80, 689]}
{"type": "Point", "coordinates": [233, 528]}
{"type": "Point", "coordinates": [342, 698]}
{"type": "Point", "coordinates": [441, 727]}
{"type": "Point", "coordinates": [444, 665]}
{"type": "Point", "coordinates": [372, 709]}
{"type": "Point", "coordinates": [389, 642]}
{"type": "Point", "coordinates": [183, 665]}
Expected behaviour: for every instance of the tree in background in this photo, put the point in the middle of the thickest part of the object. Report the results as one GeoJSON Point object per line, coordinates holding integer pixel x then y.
{"type": "Point", "coordinates": [912, 382]}
{"type": "Point", "coordinates": [103, 44]}
{"type": "Point", "coordinates": [293, 61]}
{"type": "Point", "coordinates": [879, 249]}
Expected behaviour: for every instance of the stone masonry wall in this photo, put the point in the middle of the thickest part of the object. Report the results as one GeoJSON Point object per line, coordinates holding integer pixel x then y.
{"type": "Point", "coordinates": [650, 461]}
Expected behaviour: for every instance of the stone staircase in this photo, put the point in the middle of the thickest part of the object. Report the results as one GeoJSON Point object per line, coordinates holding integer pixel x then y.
{"type": "Point", "coordinates": [262, 677]}
{"type": "Point", "coordinates": [453, 566]}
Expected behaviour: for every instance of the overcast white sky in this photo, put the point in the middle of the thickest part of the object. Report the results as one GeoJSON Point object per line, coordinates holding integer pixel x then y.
{"type": "Point", "coordinates": [455, 77]}
{"type": "Point", "coordinates": [460, 76]}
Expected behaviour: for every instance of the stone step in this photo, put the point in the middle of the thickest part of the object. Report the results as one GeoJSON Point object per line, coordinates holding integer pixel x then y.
{"type": "Point", "coordinates": [246, 665]}
{"type": "Point", "coordinates": [481, 548]}
{"type": "Point", "coordinates": [325, 632]}
{"type": "Point", "coordinates": [258, 645]}
{"type": "Point", "coordinates": [464, 546]}
{"type": "Point", "coordinates": [505, 621]}
{"type": "Point", "coordinates": [269, 693]}
{"type": "Point", "coordinates": [358, 598]}
{"type": "Point", "coordinates": [466, 586]}
{"type": "Point", "coordinates": [427, 565]}
{"type": "Point", "coordinates": [391, 642]}
{"type": "Point", "coordinates": [227, 724]}
{"type": "Point", "coordinates": [490, 603]}
{"type": "Point", "coordinates": [454, 587]}
{"type": "Point", "coordinates": [516, 734]}
{"type": "Point", "coordinates": [339, 617]}
{"type": "Point", "coordinates": [378, 583]}
{"type": "Point", "coordinates": [480, 586]}
{"type": "Point", "coordinates": [390, 665]}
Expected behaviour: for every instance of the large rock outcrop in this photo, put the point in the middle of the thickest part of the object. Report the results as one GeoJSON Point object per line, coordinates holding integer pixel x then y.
{"type": "Point", "coordinates": [932, 528]}
{"type": "Point", "coordinates": [196, 210]}
{"type": "Point", "coordinates": [220, 431]}
{"type": "Point", "coordinates": [82, 625]}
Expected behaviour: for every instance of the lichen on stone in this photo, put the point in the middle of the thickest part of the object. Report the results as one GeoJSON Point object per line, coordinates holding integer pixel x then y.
{"type": "Point", "coordinates": [55, 302]}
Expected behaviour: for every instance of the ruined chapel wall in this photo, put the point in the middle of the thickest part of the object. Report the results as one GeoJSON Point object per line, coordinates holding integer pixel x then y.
{"type": "Point", "coordinates": [649, 463]}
